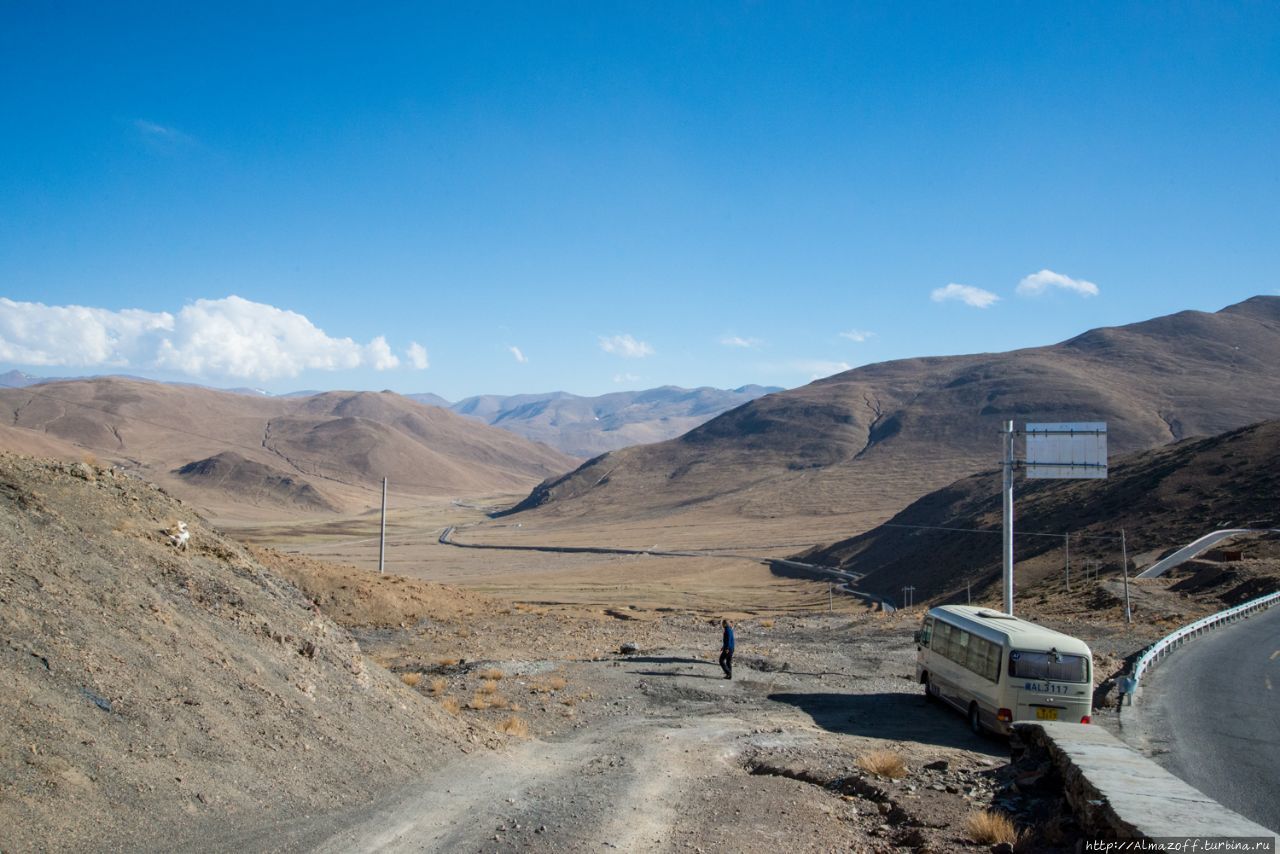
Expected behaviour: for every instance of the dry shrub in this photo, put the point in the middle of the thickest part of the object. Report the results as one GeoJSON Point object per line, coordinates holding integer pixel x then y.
{"type": "Point", "coordinates": [548, 686]}
{"type": "Point", "coordinates": [438, 685]}
{"type": "Point", "coordinates": [487, 687]}
{"type": "Point", "coordinates": [448, 662]}
{"type": "Point", "coordinates": [766, 624]}
{"type": "Point", "coordinates": [498, 702]}
{"type": "Point", "coordinates": [492, 673]}
{"type": "Point", "coordinates": [451, 705]}
{"type": "Point", "coordinates": [883, 763]}
{"type": "Point", "coordinates": [990, 828]}
{"type": "Point", "coordinates": [514, 726]}
{"type": "Point", "coordinates": [411, 679]}
{"type": "Point", "coordinates": [569, 701]}
{"type": "Point", "coordinates": [477, 703]}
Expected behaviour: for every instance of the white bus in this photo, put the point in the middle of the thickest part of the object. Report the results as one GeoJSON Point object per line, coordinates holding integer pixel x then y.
{"type": "Point", "coordinates": [998, 669]}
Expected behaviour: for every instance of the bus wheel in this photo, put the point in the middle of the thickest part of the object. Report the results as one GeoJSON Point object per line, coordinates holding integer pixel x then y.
{"type": "Point", "coordinates": [930, 690]}
{"type": "Point", "coordinates": [975, 720]}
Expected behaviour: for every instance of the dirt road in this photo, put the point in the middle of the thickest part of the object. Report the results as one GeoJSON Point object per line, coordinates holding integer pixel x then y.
{"type": "Point", "coordinates": [666, 755]}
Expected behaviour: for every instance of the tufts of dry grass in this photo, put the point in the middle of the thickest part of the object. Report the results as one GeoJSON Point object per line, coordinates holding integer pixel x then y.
{"type": "Point", "coordinates": [438, 685]}
{"type": "Point", "coordinates": [478, 702]}
{"type": "Point", "coordinates": [499, 702]}
{"type": "Point", "coordinates": [493, 674]}
{"type": "Point", "coordinates": [766, 624]}
{"type": "Point", "coordinates": [451, 705]}
{"type": "Point", "coordinates": [487, 687]}
{"type": "Point", "coordinates": [883, 763]}
{"type": "Point", "coordinates": [448, 662]}
{"type": "Point", "coordinates": [411, 679]}
{"type": "Point", "coordinates": [990, 828]}
{"type": "Point", "coordinates": [514, 726]}
{"type": "Point", "coordinates": [549, 685]}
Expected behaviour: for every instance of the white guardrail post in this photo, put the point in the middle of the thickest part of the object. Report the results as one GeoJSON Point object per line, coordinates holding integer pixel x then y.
{"type": "Point", "coordinates": [1172, 641]}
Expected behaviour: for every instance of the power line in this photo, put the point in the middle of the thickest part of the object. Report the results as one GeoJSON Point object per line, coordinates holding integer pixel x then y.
{"type": "Point", "coordinates": [990, 531]}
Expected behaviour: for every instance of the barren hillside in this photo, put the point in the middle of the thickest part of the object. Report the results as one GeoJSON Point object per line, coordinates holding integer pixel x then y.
{"type": "Point", "coordinates": [299, 455]}
{"type": "Point", "coordinates": [157, 698]}
{"type": "Point", "coordinates": [875, 438]}
{"type": "Point", "coordinates": [1162, 499]}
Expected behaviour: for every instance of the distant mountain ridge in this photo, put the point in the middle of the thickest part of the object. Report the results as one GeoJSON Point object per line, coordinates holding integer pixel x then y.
{"type": "Point", "coordinates": [868, 441]}
{"type": "Point", "coordinates": [588, 426]}
{"type": "Point", "coordinates": [234, 452]}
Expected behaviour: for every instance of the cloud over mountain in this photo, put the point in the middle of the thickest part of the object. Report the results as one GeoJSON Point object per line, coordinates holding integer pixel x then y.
{"type": "Point", "coordinates": [231, 337]}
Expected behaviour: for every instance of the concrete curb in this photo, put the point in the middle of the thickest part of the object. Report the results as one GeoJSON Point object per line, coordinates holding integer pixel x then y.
{"type": "Point", "coordinates": [1117, 793]}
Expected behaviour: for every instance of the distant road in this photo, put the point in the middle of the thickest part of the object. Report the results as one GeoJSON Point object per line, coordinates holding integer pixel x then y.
{"type": "Point", "coordinates": [845, 580]}
{"type": "Point", "coordinates": [1206, 542]}
{"type": "Point", "coordinates": [1214, 705]}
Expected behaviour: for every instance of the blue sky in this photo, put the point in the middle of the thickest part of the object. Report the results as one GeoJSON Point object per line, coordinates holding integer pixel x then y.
{"type": "Point", "coordinates": [503, 198]}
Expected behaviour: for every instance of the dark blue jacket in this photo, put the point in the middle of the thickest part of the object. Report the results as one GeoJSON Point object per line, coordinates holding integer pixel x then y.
{"type": "Point", "coordinates": [728, 638]}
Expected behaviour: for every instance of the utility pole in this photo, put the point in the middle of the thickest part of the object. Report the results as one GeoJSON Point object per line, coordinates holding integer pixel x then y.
{"type": "Point", "coordinates": [1124, 564]}
{"type": "Point", "coordinates": [382, 537]}
{"type": "Point", "coordinates": [1008, 517]}
{"type": "Point", "coordinates": [911, 596]}
{"type": "Point", "coordinates": [1066, 540]}
{"type": "Point", "coordinates": [968, 596]}
{"type": "Point", "coordinates": [831, 586]}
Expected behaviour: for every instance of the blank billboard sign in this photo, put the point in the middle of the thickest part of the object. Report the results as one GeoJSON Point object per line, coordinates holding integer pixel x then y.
{"type": "Point", "coordinates": [1071, 450]}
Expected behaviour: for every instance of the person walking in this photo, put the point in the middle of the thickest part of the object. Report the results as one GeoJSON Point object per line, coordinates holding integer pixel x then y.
{"type": "Point", "coordinates": [726, 650]}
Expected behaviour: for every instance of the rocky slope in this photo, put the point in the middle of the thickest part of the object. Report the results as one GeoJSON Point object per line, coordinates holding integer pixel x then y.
{"type": "Point", "coordinates": [156, 698]}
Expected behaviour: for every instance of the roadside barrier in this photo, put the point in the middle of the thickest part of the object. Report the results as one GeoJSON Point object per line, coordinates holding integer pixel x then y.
{"type": "Point", "coordinates": [1172, 641]}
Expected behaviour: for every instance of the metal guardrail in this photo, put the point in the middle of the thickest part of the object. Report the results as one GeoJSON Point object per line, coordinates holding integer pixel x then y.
{"type": "Point", "coordinates": [1172, 641]}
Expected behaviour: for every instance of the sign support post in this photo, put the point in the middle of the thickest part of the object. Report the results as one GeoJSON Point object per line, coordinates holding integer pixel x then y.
{"type": "Point", "coordinates": [1008, 517]}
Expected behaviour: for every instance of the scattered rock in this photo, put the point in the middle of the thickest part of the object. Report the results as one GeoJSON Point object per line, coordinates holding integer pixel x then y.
{"type": "Point", "coordinates": [939, 765]}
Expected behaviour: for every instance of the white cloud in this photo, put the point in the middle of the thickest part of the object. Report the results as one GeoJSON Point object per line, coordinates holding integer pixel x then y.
{"type": "Point", "coordinates": [858, 335]}
{"type": "Point", "coordinates": [417, 355]}
{"type": "Point", "coordinates": [32, 333]}
{"type": "Point", "coordinates": [379, 353]}
{"type": "Point", "coordinates": [967, 294]}
{"type": "Point", "coordinates": [519, 356]}
{"type": "Point", "coordinates": [230, 337]}
{"type": "Point", "coordinates": [1038, 283]}
{"type": "Point", "coordinates": [738, 341]}
{"type": "Point", "coordinates": [625, 378]}
{"type": "Point", "coordinates": [625, 345]}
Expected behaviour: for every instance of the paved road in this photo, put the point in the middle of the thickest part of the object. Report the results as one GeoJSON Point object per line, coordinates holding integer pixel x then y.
{"type": "Point", "coordinates": [1214, 706]}
{"type": "Point", "coordinates": [1206, 542]}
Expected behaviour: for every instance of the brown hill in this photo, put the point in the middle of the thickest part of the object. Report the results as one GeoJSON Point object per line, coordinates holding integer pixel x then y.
{"type": "Point", "coordinates": [335, 447]}
{"type": "Point", "coordinates": [252, 482]}
{"type": "Point", "coordinates": [864, 443]}
{"type": "Point", "coordinates": [164, 700]}
{"type": "Point", "coordinates": [1162, 499]}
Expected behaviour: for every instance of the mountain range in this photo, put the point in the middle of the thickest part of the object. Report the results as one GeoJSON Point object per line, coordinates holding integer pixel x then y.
{"type": "Point", "coordinates": [324, 452]}
{"type": "Point", "coordinates": [588, 426]}
{"type": "Point", "coordinates": [866, 442]}
{"type": "Point", "coordinates": [577, 425]}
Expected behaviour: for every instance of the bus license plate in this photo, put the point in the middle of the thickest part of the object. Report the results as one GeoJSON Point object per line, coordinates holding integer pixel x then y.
{"type": "Point", "coordinates": [1046, 714]}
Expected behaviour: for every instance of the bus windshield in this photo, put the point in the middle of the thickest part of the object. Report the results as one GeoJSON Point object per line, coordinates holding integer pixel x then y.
{"type": "Point", "coordinates": [1048, 666]}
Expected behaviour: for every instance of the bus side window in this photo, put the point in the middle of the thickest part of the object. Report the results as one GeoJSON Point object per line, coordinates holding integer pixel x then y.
{"type": "Point", "coordinates": [927, 631]}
